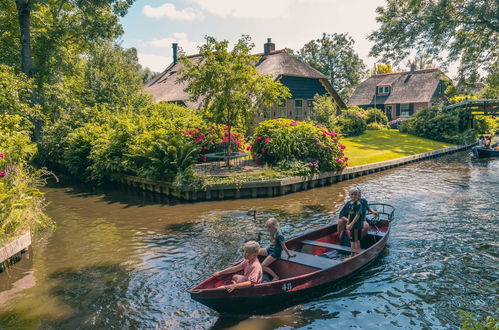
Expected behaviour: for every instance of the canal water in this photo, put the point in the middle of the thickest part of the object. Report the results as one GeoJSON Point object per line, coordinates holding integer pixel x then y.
{"type": "Point", "coordinates": [121, 260]}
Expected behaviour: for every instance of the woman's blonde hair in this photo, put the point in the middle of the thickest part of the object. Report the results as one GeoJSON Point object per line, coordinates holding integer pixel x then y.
{"type": "Point", "coordinates": [251, 247]}
{"type": "Point", "coordinates": [273, 222]}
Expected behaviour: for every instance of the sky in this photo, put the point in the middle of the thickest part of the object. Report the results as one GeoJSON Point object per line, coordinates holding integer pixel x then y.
{"type": "Point", "coordinates": [151, 26]}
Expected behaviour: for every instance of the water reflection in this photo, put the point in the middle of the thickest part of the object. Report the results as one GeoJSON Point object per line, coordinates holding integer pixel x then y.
{"type": "Point", "coordinates": [121, 260]}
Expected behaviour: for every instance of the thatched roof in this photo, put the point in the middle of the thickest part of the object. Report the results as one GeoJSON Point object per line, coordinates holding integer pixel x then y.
{"type": "Point", "coordinates": [406, 87]}
{"type": "Point", "coordinates": [277, 64]}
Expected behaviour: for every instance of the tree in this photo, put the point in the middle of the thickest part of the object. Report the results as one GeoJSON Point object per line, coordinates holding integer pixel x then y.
{"type": "Point", "coordinates": [467, 30]}
{"type": "Point", "coordinates": [334, 56]}
{"type": "Point", "coordinates": [227, 83]}
{"type": "Point", "coordinates": [324, 111]}
{"type": "Point", "coordinates": [382, 69]}
{"type": "Point", "coordinates": [53, 34]}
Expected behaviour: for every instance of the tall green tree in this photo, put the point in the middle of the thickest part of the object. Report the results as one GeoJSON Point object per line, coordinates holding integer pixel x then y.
{"type": "Point", "coordinates": [466, 30]}
{"type": "Point", "coordinates": [50, 35]}
{"type": "Point", "coordinates": [227, 84]}
{"type": "Point", "coordinates": [333, 55]}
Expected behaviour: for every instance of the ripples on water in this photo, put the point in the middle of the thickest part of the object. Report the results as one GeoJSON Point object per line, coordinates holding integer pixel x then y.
{"type": "Point", "coordinates": [116, 261]}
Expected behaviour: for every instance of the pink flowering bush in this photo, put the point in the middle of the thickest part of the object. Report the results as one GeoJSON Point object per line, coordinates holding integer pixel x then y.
{"type": "Point", "coordinates": [352, 121]}
{"type": "Point", "coordinates": [210, 138]}
{"type": "Point", "coordinates": [281, 141]}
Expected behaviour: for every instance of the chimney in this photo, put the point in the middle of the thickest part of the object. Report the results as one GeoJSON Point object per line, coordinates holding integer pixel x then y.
{"type": "Point", "coordinates": [413, 67]}
{"type": "Point", "coordinates": [268, 47]}
{"type": "Point", "coordinates": [175, 46]}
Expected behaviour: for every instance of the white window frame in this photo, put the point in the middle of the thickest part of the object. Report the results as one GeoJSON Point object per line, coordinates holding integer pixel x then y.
{"type": "Point", "coordinates": [383, 90]}
{"type": "Point", "coordinates": [403, 111]}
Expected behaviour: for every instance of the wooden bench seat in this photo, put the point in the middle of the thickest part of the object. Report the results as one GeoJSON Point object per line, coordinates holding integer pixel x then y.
{"type": "Point", "coordinates": [376, 233]}
{"type": "Point", "coordinates": [309, 260]}
{"type": "Point", "coordinates": [332, 246]}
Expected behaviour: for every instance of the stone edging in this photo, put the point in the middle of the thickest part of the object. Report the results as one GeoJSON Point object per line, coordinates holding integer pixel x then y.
{"type": "Point", "coordinates": [270, 188]}
{"type": "Point", "coordinates": [10, 249]}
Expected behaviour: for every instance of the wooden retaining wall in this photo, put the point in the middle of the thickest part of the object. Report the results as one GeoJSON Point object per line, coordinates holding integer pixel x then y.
{"type": "Point", "coordinates": [10, 250]}
{"type": "Point", "coordinates": [270, 188]}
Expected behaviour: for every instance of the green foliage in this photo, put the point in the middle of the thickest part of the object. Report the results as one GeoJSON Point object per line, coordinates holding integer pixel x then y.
{"type": "Point", "coordinates": [466, 30]}
{"type": "Point", "coordinates": [21, 203]}
{"type": "Point", "coordinates": [227, 83]}
{"type": "Point", "coordinates": [165, 156]}
{"type": "Point", "coordinates": [486, 125]}
{"type": "Point", "coordinates": [325, 110]}
{"type": "Point", "coordinates": [15, 90]}
{"type": "Point", "coordinates": [382, 69]}
{"type": "Point", "coordinates": [442, 125]}
{"type": "Point", "coordinates": [333, 55]}
{"type": "Point", "coordinates": [469, 321]}
{"type": "Point", "coordinates": [284, 141]}
{"type": "Point", "coordinates": [376, 126]}
{"type": "Point", "coordinates": [375, 115]}
{"type": "Point", "coordinates": [352, 121]}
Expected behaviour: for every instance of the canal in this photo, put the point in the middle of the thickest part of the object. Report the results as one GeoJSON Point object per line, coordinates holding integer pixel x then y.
{"type": "Point", "coordinates": [121, 260]}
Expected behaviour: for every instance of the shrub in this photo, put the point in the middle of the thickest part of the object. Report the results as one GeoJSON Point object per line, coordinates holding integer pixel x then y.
{"type": "Point", "coordinates": [376, 127]}
{"type": "Point", "coordinates": [351, 122]}
{"type": "Point", "coordinates": [407, 126]}
{"type": "Point", "coordinates": [442, 125]}
{"type": "Point", "coordinates": [21, 203]}
{"type": "Point", "coordinates": [283, 140]}
{"type": "Point", "coordinates": [486, 125]}
{"type": "Point", "coordinates": [394, 124]}
{"type": "Point", "coordinates": [375, 115]}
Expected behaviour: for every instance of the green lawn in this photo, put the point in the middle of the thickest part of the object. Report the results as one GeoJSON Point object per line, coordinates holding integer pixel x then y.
{"type": "Point", "coordinates": [377, 146]}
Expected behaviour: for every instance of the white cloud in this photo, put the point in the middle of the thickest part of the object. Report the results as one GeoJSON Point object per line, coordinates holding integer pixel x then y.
{"type": "Point", "coordinates": [181, 38]}
{"type": "Point", "coordinates": [263, 9]}
{"type": "Point", "coordinates": [156, 63]}
{"type": "Point", "coordinates": [169, 11]}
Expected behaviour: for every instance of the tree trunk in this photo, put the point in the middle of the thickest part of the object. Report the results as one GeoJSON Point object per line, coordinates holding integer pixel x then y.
{"type": "Point", "coordinates": [24, 15]}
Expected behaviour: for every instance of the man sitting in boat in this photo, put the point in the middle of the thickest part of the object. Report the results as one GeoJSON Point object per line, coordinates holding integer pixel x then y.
{"type": "Point", "coordinates": [343, 217]}
{"type": "Point", "coordinates": [252, 269]}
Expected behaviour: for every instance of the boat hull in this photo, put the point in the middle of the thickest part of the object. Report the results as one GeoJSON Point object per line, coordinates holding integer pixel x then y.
{"type": "Point", "coordinates": [276, 295]}
{"type": "Point", "coordinates": [270, 303]}
{"type": "Point", "coordinates": [479, 152]}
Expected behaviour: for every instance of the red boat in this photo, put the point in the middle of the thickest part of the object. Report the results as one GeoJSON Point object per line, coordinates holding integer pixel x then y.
{"type": "Point", "coordinates": [320, 263]}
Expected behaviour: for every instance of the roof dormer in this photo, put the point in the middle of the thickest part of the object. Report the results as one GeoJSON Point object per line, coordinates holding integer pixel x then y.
{"type": "Point", "coordinates": [383, 90]}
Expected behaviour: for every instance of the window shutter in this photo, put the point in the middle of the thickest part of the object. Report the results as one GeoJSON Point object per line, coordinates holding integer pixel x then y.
{"type": "Point", "coordinates": [398, 109]}
{"type": "Point", "coordinates": [411, 109]}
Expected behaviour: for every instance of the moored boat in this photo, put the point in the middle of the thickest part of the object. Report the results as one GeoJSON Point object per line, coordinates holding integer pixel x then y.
{"type": "Point", "coordinates": [481, 152]}
{"type": "Point", "coordinates": [320, 262]}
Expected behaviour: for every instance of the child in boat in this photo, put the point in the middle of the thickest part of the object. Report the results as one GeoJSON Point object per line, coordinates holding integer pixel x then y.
{"type": "Point", "coordinates": [353, 212]}
{"type": "Point", "coordinates": [251, 266]}
{"type": "Point", "coordinates": [343, 217]}
{"type": "Point", "coordinates": [274, 251]}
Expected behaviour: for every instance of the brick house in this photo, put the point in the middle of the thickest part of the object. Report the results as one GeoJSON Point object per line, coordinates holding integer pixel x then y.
{"type": "Point", "coordinates": [302, 80]}
{"type": "Point", "coordinates": [401, 94]}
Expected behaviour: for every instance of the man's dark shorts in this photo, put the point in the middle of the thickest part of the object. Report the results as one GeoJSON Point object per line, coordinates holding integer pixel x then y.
{"type": "Point", "coordinates": [355, 234]}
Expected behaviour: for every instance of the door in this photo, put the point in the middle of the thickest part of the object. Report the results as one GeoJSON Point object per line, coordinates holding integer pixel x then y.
{"type": "Point", "coordinates": [388, 111]}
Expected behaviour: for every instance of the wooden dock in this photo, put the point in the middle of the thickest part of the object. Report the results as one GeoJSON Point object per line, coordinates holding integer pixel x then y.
{"type": "Point", "coordinates": [16, 246]}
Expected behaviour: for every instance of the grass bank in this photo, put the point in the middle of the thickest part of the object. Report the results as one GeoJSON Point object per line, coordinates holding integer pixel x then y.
{"type": "Point", "coordinates": [377, 146]}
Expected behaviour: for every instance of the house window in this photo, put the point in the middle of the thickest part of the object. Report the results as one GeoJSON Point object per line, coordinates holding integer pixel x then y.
{"type": "Point", "coordinates": [298, 108]}
{"type": "Point", "coordinates": [404, 110]}
{"type": "Point", "coordinates": [310, 104]}
{"type": "Point", "coordinates": [281, 109]}
{"type": "Point", "coordinates": [383, 90]}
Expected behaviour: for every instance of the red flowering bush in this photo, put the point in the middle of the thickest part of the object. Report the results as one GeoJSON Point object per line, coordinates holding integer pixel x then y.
{"type": "Point", "coordinates": [285, 140]}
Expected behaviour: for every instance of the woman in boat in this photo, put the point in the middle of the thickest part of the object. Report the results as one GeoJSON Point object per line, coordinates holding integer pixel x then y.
{"type": "Point", "coordinates": [251, 266]}
{"type": "Point", "coordinates": [274, 251]}
{"type": "Point", "coordinates": [343, 217]}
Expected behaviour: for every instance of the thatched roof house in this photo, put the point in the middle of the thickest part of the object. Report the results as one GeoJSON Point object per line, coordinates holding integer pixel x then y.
{"type": "Point", "coordinates": [302, 80]}
{"type": "Point", "coordinates": [400, 94]}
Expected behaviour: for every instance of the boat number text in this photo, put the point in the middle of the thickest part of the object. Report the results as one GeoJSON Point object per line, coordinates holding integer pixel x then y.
{"type": "Point", "coordinates": [286, 286]}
